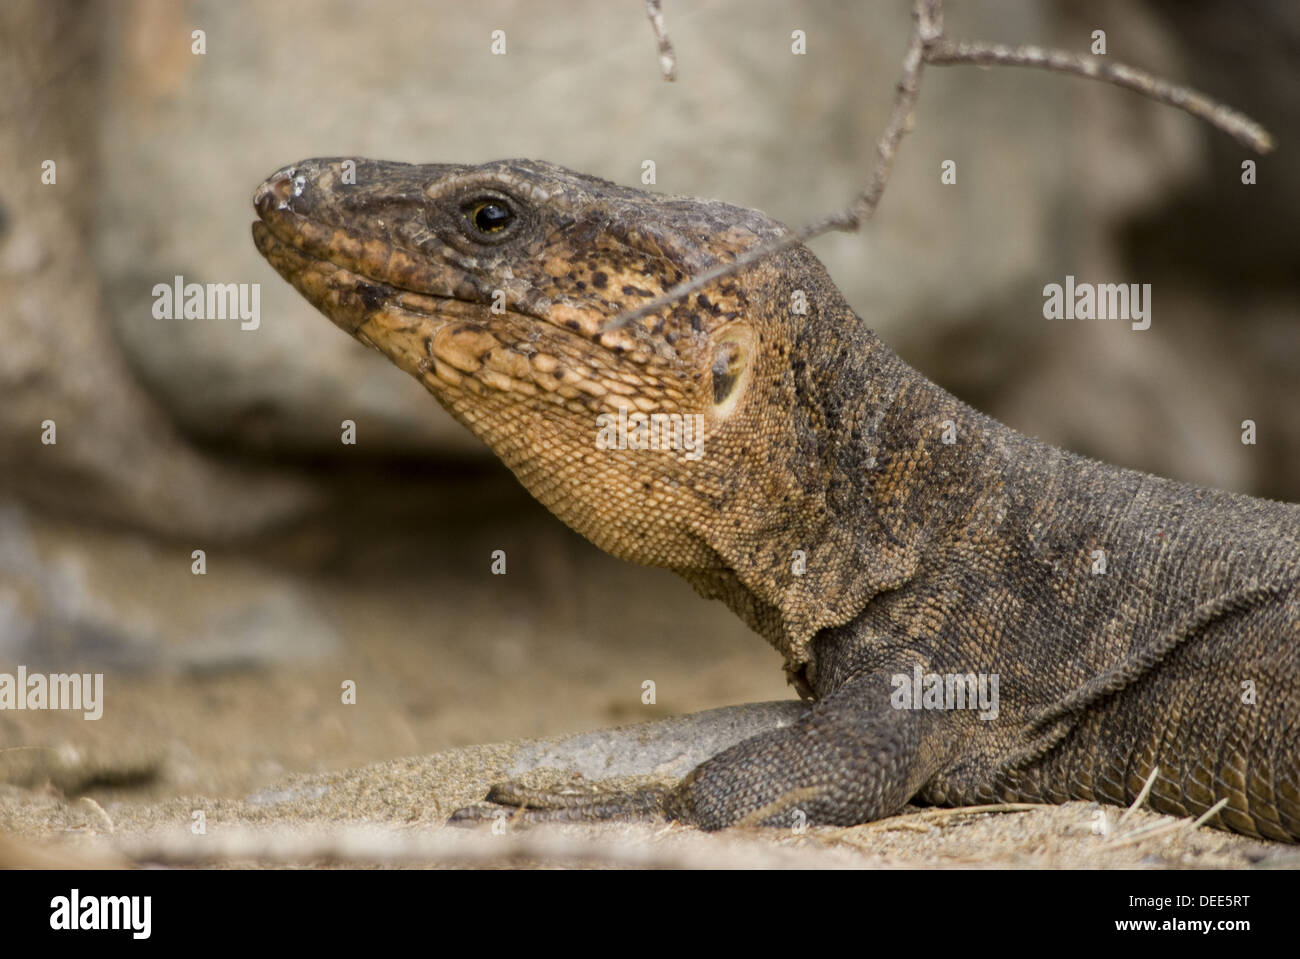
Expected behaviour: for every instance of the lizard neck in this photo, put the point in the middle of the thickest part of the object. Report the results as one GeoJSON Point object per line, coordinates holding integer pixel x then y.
{"type": "Point", "coordinates": [868, 464]}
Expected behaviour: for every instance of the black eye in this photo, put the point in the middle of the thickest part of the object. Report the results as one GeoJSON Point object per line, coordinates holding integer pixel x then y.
{"type": "Point", "coordinates": [491, 216]}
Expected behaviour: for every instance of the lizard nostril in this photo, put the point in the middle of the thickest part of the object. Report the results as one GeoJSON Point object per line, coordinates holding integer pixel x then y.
{"type": "Point", "coordinates": [275, 192]}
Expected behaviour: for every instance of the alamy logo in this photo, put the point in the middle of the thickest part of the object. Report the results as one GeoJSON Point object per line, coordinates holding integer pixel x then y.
{"type": "Point", "coordinates": [651, 431]}
{"type": "Point", "coordinates": [84, 691]}
{"type": "Point", "coordinates": [946, 691]}
{"type": "Point", "coordinates": [76, 911]}
{"type": "Point", "coordinates": [1098, 301]}
{"type": "Point", "coordinates": [215, 301]}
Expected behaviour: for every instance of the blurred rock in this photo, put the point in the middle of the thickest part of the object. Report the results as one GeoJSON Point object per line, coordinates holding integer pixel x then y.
{"type": "Point", "coordinates": [84, 601]}
{"type": "Point", "coordinates": [1052, 174]}
{"type": "Point", "coordinates": [117, 457]}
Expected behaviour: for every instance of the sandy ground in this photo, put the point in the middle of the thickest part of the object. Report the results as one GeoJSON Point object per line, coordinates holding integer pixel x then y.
{"type": "Point", "coordinates": [244, 754]}
{"type": "Point", "coordinates": [206, 781]}
{"type": "Point", "coordinates": [392, 814]}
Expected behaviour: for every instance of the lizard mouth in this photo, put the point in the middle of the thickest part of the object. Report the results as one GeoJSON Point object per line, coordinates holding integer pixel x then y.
{"type": "Point", "coordinates": [362, 286]}
{"type": "Point", "coordinates": [349, 298]}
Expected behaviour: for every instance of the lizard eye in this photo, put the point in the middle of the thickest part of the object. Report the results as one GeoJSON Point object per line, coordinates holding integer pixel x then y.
{"type": "Point", "coordinates": [491, 216]}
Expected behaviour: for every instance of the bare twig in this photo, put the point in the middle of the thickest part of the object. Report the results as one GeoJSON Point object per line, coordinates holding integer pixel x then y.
{"type": "Point", "coordinates": [1220, 116]}
{"type": "Point", "coordinates": [928, 45]}
{"type": "Point", "coordinates": [687, 287]}
{"type": "Point", "coordinates": [667, 59]}
{"type": "Point", "coordinates": [928, 28]}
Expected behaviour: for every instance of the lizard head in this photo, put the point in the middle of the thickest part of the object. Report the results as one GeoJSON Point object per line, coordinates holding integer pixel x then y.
{"type": "Point", "coordinates": [688, 439]}
{"type": "Point", "coordinates": [490, 284]}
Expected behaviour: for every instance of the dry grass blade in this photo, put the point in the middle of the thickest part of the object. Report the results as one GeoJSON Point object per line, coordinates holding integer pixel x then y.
{"type": "Point", "coordinates": [104, 816]}
{"type": "Point", "coordinates": [1164, 825]}
{"type": "Point", "coordinates": [932, 815]}
{"type": "Point", "coordinates": [1142, 796]}
{"type": "Point", "coordinates": [1202, 819]}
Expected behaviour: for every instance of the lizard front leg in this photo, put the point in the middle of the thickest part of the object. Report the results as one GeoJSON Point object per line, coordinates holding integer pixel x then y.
{"type": "Point", "coordinates": [852, 759]}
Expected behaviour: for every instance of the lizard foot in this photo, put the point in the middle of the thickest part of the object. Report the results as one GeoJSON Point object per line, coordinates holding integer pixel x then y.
{"type": "Point", "coordinates": [519, 803]}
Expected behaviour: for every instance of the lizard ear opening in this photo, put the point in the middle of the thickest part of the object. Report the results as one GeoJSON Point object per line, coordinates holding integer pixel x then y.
{"type": "Point", "coordinates": [730, 369]}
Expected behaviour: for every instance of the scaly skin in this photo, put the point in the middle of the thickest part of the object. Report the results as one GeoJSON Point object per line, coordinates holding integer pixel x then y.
{"type": "Point", "coordinates": [856, 515]}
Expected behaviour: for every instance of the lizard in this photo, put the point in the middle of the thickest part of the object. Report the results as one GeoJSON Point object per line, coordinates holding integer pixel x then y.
{"type": "Point", "coordinates": [878, 531]}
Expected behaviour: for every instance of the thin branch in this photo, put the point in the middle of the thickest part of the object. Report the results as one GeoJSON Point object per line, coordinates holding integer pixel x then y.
{"type": "Point", "coordinates": [928, 45]}
{"type": "Point", "coordinates": [727, 269]}
{"type": "Point", "coordinates": [1218, 115]}
{"type": "Point", "coordinates": [927, 29]}
{"type": "Point", "coordinates": [667, 59]}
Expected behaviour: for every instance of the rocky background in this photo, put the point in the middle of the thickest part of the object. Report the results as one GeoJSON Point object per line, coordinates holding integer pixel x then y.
{"type": "Point", "coordinates": [370, 563]}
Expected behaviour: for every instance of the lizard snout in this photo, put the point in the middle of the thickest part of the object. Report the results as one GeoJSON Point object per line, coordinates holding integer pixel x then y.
{"type": "Point", "coordinates": [275, 192]}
